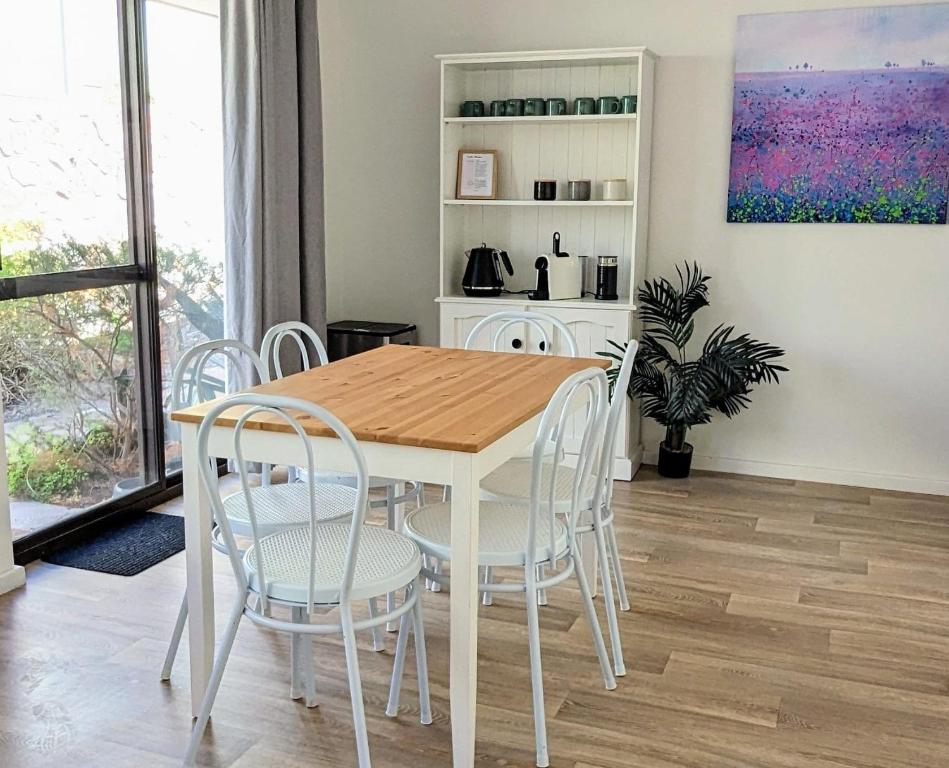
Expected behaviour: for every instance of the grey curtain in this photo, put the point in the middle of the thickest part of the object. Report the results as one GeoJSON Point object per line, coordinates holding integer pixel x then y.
{"type": "Point", "coordinates": [273, 167]}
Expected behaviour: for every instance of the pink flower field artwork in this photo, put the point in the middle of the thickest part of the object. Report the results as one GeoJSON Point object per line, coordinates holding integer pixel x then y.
{"type": "Point", "coordinates": [841, 116]}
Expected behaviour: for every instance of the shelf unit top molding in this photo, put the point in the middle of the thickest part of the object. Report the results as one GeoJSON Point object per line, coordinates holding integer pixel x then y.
{"type": "Point", "coordinates": [587, 302]}
{"type": "Point", "coordinates": [575, 57]}
{"type": "Point", "coordinates": [563, 203]}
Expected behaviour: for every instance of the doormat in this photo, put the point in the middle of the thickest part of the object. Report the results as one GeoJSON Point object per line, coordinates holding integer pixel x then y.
{"type": "Point", "coordinates": [138, 542]}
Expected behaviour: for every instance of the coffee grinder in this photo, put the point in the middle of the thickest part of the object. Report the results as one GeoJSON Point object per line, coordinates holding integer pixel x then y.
{"type": "Point", "coordinates": [606, 278]}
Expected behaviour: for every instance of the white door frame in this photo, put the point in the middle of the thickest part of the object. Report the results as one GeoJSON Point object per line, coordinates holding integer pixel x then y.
{"type": "Point", "coordinates": [11, 576]}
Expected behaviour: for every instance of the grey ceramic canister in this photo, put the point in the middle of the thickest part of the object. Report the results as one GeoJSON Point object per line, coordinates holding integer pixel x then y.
{"type": "Point", "coordinates": [578, 189]}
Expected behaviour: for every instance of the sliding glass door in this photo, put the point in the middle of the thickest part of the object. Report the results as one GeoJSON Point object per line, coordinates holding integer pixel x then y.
{"type": "Point", "coordinates": [187, 160]}
{"type": "Point", "coordinates": [95, 308]}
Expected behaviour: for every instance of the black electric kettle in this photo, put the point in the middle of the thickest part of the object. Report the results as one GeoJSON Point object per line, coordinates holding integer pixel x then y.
{"type": "Point", "coordinates": [483, 272]}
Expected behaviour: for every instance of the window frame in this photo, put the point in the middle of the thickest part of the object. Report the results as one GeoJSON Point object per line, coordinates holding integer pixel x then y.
{"type": "Point", "coordinates": [142, 274]}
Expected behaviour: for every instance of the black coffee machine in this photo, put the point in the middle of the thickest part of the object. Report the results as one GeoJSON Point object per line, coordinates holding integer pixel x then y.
{"type": "Point", "coordinates": [483, 272]}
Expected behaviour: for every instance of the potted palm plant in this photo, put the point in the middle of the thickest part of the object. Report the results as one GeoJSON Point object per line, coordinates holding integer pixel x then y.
{"type": "Point", "coordinates": [680, 393]}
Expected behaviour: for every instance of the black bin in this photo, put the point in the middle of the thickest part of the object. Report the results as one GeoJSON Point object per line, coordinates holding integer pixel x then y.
{"type": "Point", "coordinates": [350, 337]}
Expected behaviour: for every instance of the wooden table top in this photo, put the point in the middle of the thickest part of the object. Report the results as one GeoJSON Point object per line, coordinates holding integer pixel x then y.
{"type": "Point", "coordinates": [449, 399]}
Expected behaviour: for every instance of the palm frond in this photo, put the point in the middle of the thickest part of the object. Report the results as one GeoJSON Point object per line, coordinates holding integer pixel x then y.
{"type": "Point", "coordinates": [667, 310]}
{"type": "Point", "coordinates": [694, 288]}
{"type": "Point", "coordinates": [737, 363]}
{"type": "Point", "coordinates": [691, 386]}
{"type": "Point", "coordinates": [651, 349]}
{"type": "Point", "coordinates": [658, 304]}
{"type": "Point", "coordinates": [648, 383]}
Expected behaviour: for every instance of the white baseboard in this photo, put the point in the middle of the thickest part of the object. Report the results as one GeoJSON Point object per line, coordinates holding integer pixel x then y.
{"type": "Point", "coordinates": [816, 474]}
{"type": "Point", "coordinates": [10, 580]}
{"type": "Point", "coordinates": [626, 469]}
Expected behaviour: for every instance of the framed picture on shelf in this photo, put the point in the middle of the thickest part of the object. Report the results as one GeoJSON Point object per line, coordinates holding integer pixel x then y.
{"type": "Point", "coordinates": [477, 177]}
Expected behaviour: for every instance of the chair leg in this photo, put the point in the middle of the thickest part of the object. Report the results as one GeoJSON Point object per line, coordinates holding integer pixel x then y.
{"type": "Point", "coordinates": [306, 668]}
{"type": "Point", "coordinates": [437, 568]}
{"type": "Point", "coordinates": [537, 676]}
{"type": "Point", "coordinates": [619, 666]}
{"type": "Point", "coordinates": [398, 667]}
{"type": "Point", "coordinates": [355, 687]}
{"type": "Point", "coordinates": [394, 520]}
{"type": "Point", "coordinates": [378, 641]}
{"type": "Point", "coordinates": [296, 656]}
{"type": "Point", "coordinates": [608, 678]}
{"type": "Point", "coordinates": [425, 562]}
{"type": "Point", "coordinates": [421, 659]}
{"type": "Point", "coordinates": [420, 496]}
{"type": "Point", "coordinates": [175, 638]}
{"type": "Point", "coordinates": [217, 672]}
{"type": "Point", "coordinates": [617, 568]}
{"type": "Point", "coordinates": [541, 593]}
{"type": "Point", "coordinates": [487, 597]}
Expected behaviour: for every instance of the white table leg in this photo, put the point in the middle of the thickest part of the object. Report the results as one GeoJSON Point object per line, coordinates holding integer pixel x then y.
{"type": "Point", "coordinates": [198, 558]}
{"type": "Point", "coordinates": [463, 679]}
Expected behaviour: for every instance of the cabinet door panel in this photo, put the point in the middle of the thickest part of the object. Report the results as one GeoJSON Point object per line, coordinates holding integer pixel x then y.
{"type": "Point", "coordinates": [457, 320]}
{"type": "Point", "coordinates": [536, 343]}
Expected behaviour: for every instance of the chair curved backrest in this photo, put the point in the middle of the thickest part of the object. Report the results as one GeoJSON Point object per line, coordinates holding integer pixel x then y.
{"type": "Point", "coordinates": [288, 410]}
{"type": "Point", "coordinates": [191, 382]}
{"type": "Point", "coordinates": [585, 392]}
{"type": "Point", "coordinates": [606, 471]}
{"type": "Point", "coordinates": [300, 333]}
{"type": "Point", "coordinates": [536, 320]}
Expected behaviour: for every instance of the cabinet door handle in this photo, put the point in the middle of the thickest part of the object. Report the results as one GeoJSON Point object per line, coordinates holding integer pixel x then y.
{"type": "Point", "coordinates": [516, 343]}
{"type": "Point", "coordinates": [543, 346]}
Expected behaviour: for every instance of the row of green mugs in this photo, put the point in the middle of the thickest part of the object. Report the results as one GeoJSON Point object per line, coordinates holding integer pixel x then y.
{"type": "Point", "coordinates": [536, 107]}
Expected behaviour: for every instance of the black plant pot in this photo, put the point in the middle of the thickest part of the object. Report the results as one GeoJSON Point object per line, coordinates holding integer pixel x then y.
{"type": "Point", "coordinates": [675, 463]}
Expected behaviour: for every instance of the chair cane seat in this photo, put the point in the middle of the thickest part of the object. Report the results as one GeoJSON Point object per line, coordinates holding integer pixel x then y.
{"type": "Point", "coordinates": [510, 483]}
{"type": "Point", "coordinates": [502, 533]}
{"type": "Point", "coordinates": [376, 482]}
{"type": "Point", "coordinates": [288, 504]}
{"type": "Point", "coordinates": [385, 561]}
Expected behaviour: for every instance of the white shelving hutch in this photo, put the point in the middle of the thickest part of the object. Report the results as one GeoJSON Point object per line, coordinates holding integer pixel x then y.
{"type": "Point", "coordinates": [594, 147]}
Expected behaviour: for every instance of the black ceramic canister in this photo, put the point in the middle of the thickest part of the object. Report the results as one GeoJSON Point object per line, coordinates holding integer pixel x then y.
{"type": "Point", "coordinates": [545, 189]}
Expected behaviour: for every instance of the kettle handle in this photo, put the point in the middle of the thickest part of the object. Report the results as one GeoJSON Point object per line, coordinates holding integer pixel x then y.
{"type": "Point", "coordinates": [507, 262]}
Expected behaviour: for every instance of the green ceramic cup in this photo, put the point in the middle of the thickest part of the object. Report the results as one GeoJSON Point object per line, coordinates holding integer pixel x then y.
{"type": "Point", "coordinates": [629, 104]}
{"type": "Point", "coordinates": [515, 107]}
{"type": "Point", "coordinates": [534, 107]}
{"type": "Point", "coordinates": [498, 108]}
{"type": "Point", "coordinates": [556, 107]}
{"type": "Point", "coordinates": [584, 105]}
{"type": "Point", "coordinates": [472, 109]}
{"type": "Point", "coordinates": [608, 105]}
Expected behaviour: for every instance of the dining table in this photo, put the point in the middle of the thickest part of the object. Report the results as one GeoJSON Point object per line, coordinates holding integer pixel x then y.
{"type": "Point", "coordinates": [436, 415]}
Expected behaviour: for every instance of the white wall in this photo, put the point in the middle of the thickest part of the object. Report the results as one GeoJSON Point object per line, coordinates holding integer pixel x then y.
{"type": "Point", "coordinates": [861, 309]}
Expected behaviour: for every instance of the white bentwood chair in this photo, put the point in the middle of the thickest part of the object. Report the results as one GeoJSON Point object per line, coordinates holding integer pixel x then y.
{"type": "Point", "coordinates": [512, 483]}
{"type": "Point", "coordinates": [397, 492]}
{"type": "Point", "coordinates": [547, 328]}
{"type": "Point", "coordinates": [529, 535]}
{"type": "Point", "coordinates": [309, 568]}
{"type": "Point", "coordinates": [278, 506]}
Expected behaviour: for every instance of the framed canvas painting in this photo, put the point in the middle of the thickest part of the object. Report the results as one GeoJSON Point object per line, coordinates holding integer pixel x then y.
{"type": "Point", "coordinates": [841, 116]}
